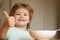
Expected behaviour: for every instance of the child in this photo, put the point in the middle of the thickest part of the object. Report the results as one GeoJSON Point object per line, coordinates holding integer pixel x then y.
{"type": "Point", "coordinates": [17, 24]}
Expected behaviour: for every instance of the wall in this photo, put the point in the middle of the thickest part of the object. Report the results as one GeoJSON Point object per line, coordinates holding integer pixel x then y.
{"type": "Point", "coordinates": [58, 18]}
{"type": "Point", "coordinates": [4, 6]}
{"type": "Point", "coordinates": [49, 16]}
{"type": "Point", "coordinates": [44, 12]}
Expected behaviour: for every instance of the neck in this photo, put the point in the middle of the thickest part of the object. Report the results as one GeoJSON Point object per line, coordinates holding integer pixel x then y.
{"type": "Point", "coordinates": [22, 27]}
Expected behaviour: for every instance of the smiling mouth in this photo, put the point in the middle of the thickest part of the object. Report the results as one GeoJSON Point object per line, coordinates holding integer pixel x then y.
{"type": "Point", "coordinates": [21, 20]}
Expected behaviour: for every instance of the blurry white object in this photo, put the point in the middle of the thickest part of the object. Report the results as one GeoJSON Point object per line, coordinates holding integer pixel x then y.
{"type": "Point", "coordinates": [46, 34]}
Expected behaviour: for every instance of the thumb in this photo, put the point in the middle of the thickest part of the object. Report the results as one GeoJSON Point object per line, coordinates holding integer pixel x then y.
{"type": "Point", "coordinates": [6, 14]}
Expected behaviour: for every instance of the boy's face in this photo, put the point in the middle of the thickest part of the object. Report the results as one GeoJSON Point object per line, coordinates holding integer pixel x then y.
{"type": "Point", "coordinates": [21, 17]}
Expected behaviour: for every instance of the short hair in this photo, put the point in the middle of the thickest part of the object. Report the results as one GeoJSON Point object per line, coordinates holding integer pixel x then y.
{"type": "Point", "coordinates": [22, 5]}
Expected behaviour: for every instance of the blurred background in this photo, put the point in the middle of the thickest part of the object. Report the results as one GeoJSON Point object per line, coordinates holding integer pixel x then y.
{"type": "Point", "coordinates": [46, 13]}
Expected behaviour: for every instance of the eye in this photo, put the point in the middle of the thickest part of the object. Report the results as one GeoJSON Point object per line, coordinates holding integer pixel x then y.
{"type": "Point", "coordinates": [25, 14]}
{"type": "Point", "coordinates": [17, 14]}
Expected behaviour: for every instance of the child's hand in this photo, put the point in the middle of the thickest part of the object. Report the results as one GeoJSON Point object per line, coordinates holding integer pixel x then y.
{"type": "Point", "coordinates": [9, 19]}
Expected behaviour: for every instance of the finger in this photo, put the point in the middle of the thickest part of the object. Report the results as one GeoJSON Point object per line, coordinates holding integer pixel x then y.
{"type": "Point", "coordinates": [6, 14]}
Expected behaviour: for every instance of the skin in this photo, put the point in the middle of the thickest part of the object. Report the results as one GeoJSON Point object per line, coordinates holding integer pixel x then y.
{"type": "Point", "coordinates": [6, 25]}
{"type": "Point", "coordinates": [20, 19]}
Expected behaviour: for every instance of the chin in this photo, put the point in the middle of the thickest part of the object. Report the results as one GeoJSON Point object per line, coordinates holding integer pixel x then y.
{"type": "Point", "coordinates": [22, 24]}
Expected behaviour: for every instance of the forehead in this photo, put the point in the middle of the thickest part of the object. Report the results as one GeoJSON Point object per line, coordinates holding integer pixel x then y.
{"type": "Point", "coordinates": [22, 10]}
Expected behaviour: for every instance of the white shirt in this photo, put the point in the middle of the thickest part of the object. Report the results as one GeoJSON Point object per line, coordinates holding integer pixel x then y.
{"type": "Point", "coordinates": [17, 34]}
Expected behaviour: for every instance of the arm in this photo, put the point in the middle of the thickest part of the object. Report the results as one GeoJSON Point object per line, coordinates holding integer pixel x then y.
{"type": "Point", "coordinates": [10, 21]}
{"type": "Point", "coordinates": [34, 35]}
{"type": "Point", "coordinates": [3, 30]}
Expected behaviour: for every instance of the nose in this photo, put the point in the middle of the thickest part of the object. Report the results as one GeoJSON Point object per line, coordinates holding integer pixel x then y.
{"type": "Point", "coordinates": [21, 16]}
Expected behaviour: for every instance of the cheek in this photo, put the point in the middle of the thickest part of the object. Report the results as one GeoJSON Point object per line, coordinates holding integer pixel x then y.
{"type": "Point", "coordinates": [27, 18]}
{"type": "Point", "coordinates": [16, 17]}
